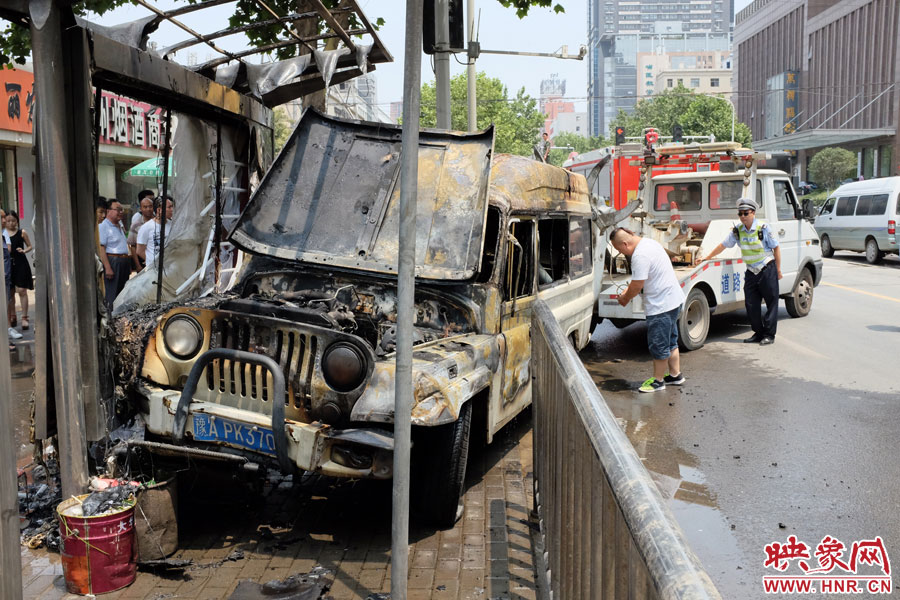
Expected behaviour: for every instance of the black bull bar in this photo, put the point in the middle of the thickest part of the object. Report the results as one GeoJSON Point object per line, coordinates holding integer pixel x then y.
{"type": "Point", "coordinates": [190, 387]}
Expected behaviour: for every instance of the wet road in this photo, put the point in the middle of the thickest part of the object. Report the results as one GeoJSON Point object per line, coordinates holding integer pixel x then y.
{"type": "Point", "coordinates": [798, 438]}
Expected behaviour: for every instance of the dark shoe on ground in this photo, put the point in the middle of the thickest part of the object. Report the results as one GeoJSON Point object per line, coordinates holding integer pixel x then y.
{"type": "Point", "coordinates": [12, 322]}
{"type": "Point", "coordinates": [25, 323]}
{"type": "Point", "coordinates": [674, 379]}
{"type": "Point", "coordinates": [754, 339]}
{"type": "Point", "coordinates": [652, 385]}
{"type": "Point", "coordinates": [766, 341]}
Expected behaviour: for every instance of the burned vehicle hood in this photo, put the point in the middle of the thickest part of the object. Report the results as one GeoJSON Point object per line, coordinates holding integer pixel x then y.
{"type": "Point", "coordinates": [332, 197]}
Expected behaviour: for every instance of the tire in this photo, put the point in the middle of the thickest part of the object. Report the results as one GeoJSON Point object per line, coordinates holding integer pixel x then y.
{"type": "Point", "coordinates": [799, 303]}
{"type": "Point", "coordinates": [827, 248]}
{"type": "Point", "coordinates": [693, 322]}
{"type": "Point", "coordinates": [873, 254]}
{"type": "Point", "coordinates": [443, 452]}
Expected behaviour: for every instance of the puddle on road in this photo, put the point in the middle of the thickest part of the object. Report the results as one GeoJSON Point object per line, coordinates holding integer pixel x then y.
{"type": "Point", "coordinates": [676, 471]}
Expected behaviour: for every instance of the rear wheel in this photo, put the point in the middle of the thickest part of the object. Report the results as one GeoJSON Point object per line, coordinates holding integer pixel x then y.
{"type": "Point", "coordinates": [827, 249]}
{"type": "Point", "coordinates": [873, 254]}
{"type": "Point", "coordinates": [799, 303]}
{"type": "Point", "coordinates": [693, 323]}
{"type": "Point", "coordinates": [443, 452]}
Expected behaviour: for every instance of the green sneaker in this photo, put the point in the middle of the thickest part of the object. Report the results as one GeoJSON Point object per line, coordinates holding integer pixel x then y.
{"type": "Point", "coordinates": [652, 385]}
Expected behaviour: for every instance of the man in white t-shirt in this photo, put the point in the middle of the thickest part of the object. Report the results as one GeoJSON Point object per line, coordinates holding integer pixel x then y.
{"type": "Point", "coordinates": [148, 236]}
{"type": "Point", "coordinates": [652, 273]}
{"type": "Point", "coordinates": [140, 218]}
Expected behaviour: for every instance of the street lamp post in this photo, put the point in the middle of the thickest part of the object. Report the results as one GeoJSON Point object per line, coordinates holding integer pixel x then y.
{"type": "Point", "coordinates": [733, 110]}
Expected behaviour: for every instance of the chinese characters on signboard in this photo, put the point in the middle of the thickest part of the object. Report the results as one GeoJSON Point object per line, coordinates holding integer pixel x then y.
{"type": "Point", "coordinates": [17, 108]}
{"type": "Point", "coordinates": [790, 101]}
{"type": "Point", "coordinates": [123, 121]}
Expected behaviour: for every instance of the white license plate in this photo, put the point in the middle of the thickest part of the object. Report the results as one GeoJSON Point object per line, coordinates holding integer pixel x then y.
{"type": "Point", "coordinates": [217, 429]}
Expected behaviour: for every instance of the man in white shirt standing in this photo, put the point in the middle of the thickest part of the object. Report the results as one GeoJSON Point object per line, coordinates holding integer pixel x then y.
{"type": "Point", "coordinates": [148, 236]}
{"type": "Point", "coordinates": [114, 252]}
{"type": "Point", "coordinates": [140, 218]}
{"type": "Point", "coordinates": [652, 273]}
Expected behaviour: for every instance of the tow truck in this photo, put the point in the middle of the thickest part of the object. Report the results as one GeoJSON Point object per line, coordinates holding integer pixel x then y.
{"type": "Point", "coordinates": [691, 212]}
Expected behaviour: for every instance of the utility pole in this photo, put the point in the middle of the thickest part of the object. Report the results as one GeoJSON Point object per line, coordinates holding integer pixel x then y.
{"type": "Point", "coordinates": [406, 286]}
{"type": "Point", "coordinates": [442, 61]}
{"type": "Point", "coordinates": [470, 67]}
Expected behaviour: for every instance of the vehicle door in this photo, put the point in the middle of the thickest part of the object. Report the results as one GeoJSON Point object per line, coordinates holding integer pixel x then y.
{"type": "Point", "coordinates": [518, 284]}
{"type": "Point", "coordinates": [565, 279]}
{"type": "Point", "coordinates": [843, 222]}
{"type": "Point", "coordinates": [786, 226]}
{"type": "Point", "coordinates": [825, 219]}
{"type": "Point", "coordinates": [878, 221]}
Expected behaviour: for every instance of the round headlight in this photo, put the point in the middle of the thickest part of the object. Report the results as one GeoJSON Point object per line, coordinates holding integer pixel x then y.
{"type": "Point", "coordinates": [343, 366]}
{"type": "Point", "coordinates": [183, 336]}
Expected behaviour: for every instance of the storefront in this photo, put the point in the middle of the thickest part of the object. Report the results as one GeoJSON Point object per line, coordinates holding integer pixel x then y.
{"type": "Point", "coordinates": [130, 132]}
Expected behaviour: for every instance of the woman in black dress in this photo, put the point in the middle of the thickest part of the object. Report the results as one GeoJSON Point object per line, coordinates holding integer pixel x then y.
{"type": "Point", "coordinates": [19, 244]}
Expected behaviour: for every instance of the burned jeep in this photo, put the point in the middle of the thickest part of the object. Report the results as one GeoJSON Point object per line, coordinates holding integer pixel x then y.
{"type": "Point", "coordinates": [295, 365]}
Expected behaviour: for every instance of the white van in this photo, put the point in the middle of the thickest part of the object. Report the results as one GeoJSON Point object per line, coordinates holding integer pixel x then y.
{"type": "Point", "coordinates": [861, 216]}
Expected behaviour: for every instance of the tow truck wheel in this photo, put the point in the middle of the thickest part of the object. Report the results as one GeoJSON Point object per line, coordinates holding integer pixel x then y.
{"type": "Point", "coordinates": [693, 323]}
{"type": "Point", "coordinates": [873, 254]}
{"type": "Point", "coordinates": [799, 303]}
{"type": "Point", "coordinates": [827, 248]}
{"type": "Point", "coordinates": [444, 452]}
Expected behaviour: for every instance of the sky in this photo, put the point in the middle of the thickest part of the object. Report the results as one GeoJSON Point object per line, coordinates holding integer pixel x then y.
{"type": "Point", "coordinates": [500, 29]}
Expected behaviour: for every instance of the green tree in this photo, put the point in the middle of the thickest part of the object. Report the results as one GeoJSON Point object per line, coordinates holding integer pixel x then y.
{"type": "Point", "coordinates": [567, 142]}
{"type": "Point", "coordinates": [15, 40]}
{"type": "Point", "coordinates": [283, 128]}
{"type": "Point", "coordinates": [697, 115]}
{"type": "Point", "coordinates": [831, 165]}
{"type": "Point", "coordinates": [517, 119]}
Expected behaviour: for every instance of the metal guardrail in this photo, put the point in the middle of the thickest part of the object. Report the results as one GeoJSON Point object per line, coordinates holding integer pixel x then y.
{"type": "Point", "coordinates": [607, 532]}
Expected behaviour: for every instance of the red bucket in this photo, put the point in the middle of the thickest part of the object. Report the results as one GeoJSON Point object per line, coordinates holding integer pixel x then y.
{"type": "Point", "coordinates": [98, 553]}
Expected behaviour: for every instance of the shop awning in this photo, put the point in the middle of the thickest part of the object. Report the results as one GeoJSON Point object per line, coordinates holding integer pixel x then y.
{"type": "Point", "coordinates": [149, 169]}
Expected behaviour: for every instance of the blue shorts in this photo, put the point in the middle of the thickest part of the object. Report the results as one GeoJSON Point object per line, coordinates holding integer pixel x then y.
{"type": "Point", "coordinates": [662, 333]}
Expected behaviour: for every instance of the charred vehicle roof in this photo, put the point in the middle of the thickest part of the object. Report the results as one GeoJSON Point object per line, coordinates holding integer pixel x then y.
{"type": "Point", "coordinates": [344, 176]}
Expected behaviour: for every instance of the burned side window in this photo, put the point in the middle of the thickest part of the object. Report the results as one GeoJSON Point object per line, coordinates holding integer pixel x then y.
{"type": "Point", "coordinates": [491, 244]}
{"type": "Point", "coordinates": [519, 276]}
{"type": "Point", "coordinates": [580, 257]}
{"type": "Point", "coordinates": [553, 243]}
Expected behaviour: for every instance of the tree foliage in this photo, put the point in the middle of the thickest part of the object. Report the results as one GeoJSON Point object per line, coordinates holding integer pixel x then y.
{"type": "Point", "coordinates": [697, 115]}
{"type": "Point", "coordinates": [517, 119]}
{"type": "Point", "coordinates": [283, 128]}
{"type": "Point", "coordinates": [567, 142]}
{"type": "Point", "coordinates": [832, 165]}
{"type": "Point", "coordinates": [15, 40]}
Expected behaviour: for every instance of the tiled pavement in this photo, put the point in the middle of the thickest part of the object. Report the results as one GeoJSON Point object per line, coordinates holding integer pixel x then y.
{"type": "Point", "coordinates": [345, 527]}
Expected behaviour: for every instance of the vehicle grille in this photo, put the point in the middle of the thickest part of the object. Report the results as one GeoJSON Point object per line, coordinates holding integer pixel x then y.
{"type": "Point", "coordinates": [250, 387]}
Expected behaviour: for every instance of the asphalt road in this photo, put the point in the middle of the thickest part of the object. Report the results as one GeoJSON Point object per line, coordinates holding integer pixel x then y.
{"type": "Point", "coordinates": [798, 438]}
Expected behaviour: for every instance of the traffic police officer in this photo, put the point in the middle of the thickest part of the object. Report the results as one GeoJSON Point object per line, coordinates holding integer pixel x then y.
{"type": "Point", "coordinates": [762, 256]}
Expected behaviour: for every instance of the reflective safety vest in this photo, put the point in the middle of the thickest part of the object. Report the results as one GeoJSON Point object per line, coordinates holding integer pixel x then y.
{"type": "Point", "coordinates": [751, 242]}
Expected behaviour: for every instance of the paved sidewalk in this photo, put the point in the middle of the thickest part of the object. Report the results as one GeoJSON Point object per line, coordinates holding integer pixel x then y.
{"type": "Point", "coordinates": [345, 526]}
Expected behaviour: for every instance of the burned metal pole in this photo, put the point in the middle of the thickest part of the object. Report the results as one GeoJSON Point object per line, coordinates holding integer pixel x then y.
{"type": "Point", "coordinates": [10, 555]}
{"type": "Point", "coordinates": [160, 265]}
{"type": "Point", "coordinates": [217, 238]}
{"type": "Point", "coordinates": [406, 282]}
{"type": "Point", "coordinates": [56, 185]}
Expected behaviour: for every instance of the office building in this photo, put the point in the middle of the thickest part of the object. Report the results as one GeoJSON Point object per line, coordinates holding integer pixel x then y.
{"type": "Point", "coordinates": [817, 73]}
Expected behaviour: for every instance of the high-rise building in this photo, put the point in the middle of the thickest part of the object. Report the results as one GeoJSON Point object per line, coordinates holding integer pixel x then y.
{"type": "Point", "coordinates": [620, 29]}
{"type": "Point", "coordinates": [552, 102]}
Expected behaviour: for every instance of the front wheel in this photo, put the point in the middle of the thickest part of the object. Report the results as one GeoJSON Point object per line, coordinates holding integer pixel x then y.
{"type": "Point", "coordinates": [873, 254]}
{"type": "Point", "coordinates": [827, 248]}
{"type": "Point", "coordinates": [693, 323]}
{"type": "Point", "coordinates": [443, 452]}
{"type": "Point", "coordinates": [799, 303]}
